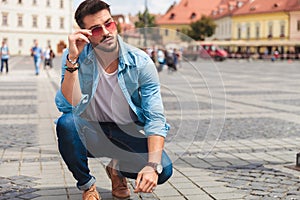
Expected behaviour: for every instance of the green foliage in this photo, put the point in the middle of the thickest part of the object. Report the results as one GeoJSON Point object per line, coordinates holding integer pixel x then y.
{"type": "Point", "coordinates": [204, 27]}
{"type": "Point", "coordinates": [145, 20]}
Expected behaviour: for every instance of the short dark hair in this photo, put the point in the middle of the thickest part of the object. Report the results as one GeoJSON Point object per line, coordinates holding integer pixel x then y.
{"type": "Point", "coordinates": [89, 7]}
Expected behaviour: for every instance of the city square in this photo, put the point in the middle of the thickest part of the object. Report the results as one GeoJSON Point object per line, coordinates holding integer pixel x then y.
{"type": "Point", "coordinates": [234, 132]}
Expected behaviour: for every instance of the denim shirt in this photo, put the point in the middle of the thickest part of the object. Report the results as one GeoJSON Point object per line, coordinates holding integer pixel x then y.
{"type": "Point", "coordinates": [137, 78]}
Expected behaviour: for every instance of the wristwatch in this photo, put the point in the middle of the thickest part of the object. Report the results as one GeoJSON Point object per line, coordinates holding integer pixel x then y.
{"type": "Point", "coordinates": [156, 166]}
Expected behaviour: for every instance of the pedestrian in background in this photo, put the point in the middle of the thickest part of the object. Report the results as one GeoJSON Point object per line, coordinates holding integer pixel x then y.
{"type": "Point", "coordinates": [48, 57]}
{"type": "Point", "coordinates": [37, 54]}
{"type": "Point", "coordinates": [112, 107]}
{"type": "Point", "coordinates": [160, 59]}
{"type": "Point", "coordinates": [4, 53]}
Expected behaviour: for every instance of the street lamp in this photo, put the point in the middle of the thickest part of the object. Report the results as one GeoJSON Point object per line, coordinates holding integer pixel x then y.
{"type": "Point", "coordinates": [146, 23]}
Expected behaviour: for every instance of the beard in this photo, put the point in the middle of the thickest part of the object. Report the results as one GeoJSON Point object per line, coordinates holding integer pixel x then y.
{"type": "Point", "coordinates": [107, 44]}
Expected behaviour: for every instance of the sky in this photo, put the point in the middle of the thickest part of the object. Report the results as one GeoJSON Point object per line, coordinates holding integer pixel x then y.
{"type": "Point", "coordinates": [134, 6]}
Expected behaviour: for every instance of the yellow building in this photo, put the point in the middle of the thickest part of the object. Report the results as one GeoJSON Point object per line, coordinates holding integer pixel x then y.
{"type": "Point", "coordinates": [252, 24]}
{"type": "Point", "coordinates": [263, 25]}
{"type": "Point", "coordinates": [181, 15]}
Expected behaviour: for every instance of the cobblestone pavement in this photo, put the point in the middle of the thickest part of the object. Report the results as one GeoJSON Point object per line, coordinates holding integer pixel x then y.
{"type": "Point", "coordinates": [235, 133]}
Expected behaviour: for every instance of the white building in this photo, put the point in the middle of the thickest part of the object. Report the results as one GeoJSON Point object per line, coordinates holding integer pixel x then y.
{"type": "Point", "coordinates": [23, 21]}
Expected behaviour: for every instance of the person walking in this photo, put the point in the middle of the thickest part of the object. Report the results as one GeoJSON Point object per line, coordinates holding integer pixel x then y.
{"type": "Point", "coordinates": [160, 59]}
{"type": "Point", "coordinates": [36, 53]}
{"type": "Point", "coordinates": [4, 54]}
{"type": "Point", "coordinates": [112, 107]}
{"type": "Point", "coordinates": [48, 56]}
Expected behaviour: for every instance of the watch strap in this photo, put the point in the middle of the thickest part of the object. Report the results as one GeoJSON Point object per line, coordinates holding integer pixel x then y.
{"type": "Point", "coordinates": [72, 69]}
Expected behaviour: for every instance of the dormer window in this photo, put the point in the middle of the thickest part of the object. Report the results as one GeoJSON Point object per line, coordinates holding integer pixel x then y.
{"type": "Point", "coordinates": [252, 8]}
{"type": "Point", "coordinates": [239, 4]}
{"type": "Point", "coordinates": [193, 15]}
{"type": "Point", "coordinates": [276, 5]}
{"type": "Point", "coordinates": [172, 16]}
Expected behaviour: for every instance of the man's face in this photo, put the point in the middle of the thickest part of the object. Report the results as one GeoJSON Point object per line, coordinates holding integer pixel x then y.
{"type": "Point", "coordinates": [104, 30]}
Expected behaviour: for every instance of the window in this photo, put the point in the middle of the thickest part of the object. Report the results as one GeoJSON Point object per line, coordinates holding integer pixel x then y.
{"type": "Point", "coordinates": [248, 32]}
{"type": "Point", "coordinates": [20, 1]}
{"type": "Point", "coordinates": [257, 31]}
{"type": "Point", "coordinates": [61, 4]}
{"type": "Point", "coordinates": [33, 2]}
{"type": "Point", "coordinates": [4, 19]}
{"type": "Point", "coordinates": [172, 16]}
{"type": "Point", "coordinates": [4, 1]}
{"type": "Point", "coordinates": [48, 22]}
{"type": "Point", "coordinates": [193, 16]}
{"type": "Point", "coordinates": [34, 21]}
{"type": "Point", "coordinates": [48, 3]}
{"type": "Point", "coordinates": [20, 42]}
{"type": "Point", "coordinates": [239, 33]}
{"type": "Point", "coordinates": [270, 31]}
{"type": "Point", "coordinates": [20, 20]}
{"type": "Point", "coordinates": [166, 32]}
{"type": "Point", "coordinates": [62, 24]}
{"type": "Point", "coordinates": [298, 25]}
{"type": "Point", "coordinates": [282, 30]}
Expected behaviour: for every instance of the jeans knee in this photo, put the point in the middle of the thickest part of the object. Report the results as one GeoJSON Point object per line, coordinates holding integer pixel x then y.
{"type": "Point", "coordinates": [65, 124]}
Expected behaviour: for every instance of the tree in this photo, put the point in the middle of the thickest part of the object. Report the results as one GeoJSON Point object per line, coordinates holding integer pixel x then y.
{"type": "Point", "coordinates": [204, 27]}
{"type": "Point", "coordinates": [145, 19]}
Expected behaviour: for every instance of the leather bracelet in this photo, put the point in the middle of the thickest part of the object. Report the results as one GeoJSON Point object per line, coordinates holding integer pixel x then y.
{"type": "Point", "coordinates": [72, 69]}
{"type": "Point", "coordinates": [71, 61]}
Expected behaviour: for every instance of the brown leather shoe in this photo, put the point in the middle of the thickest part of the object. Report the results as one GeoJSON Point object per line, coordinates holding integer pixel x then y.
{"type": "Point", "coordinates": [91, 194]}
{"type": "Point", "coordinates": [119, 184]}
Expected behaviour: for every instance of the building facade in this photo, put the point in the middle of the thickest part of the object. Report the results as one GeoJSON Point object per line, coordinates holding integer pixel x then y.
{"type": "Point", "coordinates": [23, 21]}
{"type": "Point", "coordinates": [222, 16]}
{"type": "Point", "coordinates": [181, 15]}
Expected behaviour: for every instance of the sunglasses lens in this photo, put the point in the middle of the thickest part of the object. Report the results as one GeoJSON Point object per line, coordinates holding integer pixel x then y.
{"type": "Point", "coordinates": [97, 31]}
{"type": "Point", "coordinates": [111, 26]}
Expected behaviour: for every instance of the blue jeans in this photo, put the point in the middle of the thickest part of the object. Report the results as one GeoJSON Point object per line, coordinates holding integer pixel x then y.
{"type": "Point", "coordinates": [4, 61]}
{"type": "Point", "coordinates": [79, 139]}
{"type": "Point", "coordinates": [37, 62]}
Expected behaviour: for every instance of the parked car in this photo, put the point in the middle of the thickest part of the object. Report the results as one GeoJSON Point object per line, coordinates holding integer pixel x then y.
{"type": "Point", "coordinates": [194, 51]}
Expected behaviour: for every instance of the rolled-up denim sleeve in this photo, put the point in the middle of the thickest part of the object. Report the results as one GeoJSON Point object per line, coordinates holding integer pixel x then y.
{"type": "Point", "coordinates": [61, 102]}
{"type": "Point", "coordinates": [152, 106]}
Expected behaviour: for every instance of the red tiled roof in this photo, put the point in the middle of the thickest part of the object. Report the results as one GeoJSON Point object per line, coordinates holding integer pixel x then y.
{"type": "Point", "coordinates": [266, 6]}
{"type": "Point", "coordinates": [293, 5]}
{"type": "Point", "coordinates": [228, 7]}
{"type": "Point", "coordinates": [187, 11]}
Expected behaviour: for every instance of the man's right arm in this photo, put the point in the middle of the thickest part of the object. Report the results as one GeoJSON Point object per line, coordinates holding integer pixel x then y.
{"type": "Point", "coordinates": [70, 86]}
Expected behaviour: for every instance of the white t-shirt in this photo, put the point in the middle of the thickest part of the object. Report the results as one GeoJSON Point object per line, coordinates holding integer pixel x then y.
{"type": "Point", "coordinates": [109, 103]}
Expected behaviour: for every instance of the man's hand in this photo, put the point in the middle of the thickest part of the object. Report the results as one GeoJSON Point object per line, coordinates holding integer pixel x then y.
{"type": "Point", "coordinates": [146, 180]}
{"type": "Point", "coordinates": [77, 41]}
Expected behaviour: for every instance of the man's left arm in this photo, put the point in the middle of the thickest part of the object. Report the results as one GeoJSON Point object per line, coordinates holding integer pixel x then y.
{"type": "Point", "coordinates": [154, 126]}
{"type": "Point", "coordinates": [147, 178]}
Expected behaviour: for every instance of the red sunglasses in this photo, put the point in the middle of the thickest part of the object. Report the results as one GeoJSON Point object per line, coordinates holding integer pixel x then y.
{"type": "Point", "coordinates": [110, 26]}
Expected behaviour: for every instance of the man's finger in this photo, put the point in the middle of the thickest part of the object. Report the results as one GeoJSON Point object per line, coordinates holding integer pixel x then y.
{"type": "Point", "coordinates": [137, 182]}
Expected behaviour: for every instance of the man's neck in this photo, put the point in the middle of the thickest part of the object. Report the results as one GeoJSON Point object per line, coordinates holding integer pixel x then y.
{"type": "Point", "coordinates": [108, 60]}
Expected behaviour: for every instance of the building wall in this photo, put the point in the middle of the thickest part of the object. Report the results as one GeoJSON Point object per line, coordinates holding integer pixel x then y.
{"type": "Point", "coordinates": [48, 29]}
{"type": "Point", "coordinates": [294, 29]}
{"type": "Point", "coordinates": [170, 34]}
{"type": "Point", "coordinates": [263, 20]}
{"type": "Point", "coordinates": [223, 29]}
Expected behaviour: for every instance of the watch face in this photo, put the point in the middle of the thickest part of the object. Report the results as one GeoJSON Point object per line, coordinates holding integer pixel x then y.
{"type": "Point", "coordinates": [159, 168]}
